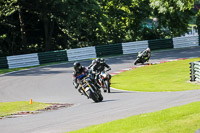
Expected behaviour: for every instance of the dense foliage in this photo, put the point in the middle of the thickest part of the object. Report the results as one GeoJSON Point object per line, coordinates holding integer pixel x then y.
{"type": "Point", "coordinates": [28, 26]}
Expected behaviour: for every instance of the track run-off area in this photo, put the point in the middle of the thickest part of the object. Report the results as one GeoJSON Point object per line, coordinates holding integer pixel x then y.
{"type": "Point", "coordinates": [53, 84]}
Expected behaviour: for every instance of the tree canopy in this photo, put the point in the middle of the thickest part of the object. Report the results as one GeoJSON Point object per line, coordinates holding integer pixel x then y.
{"type": "Point", "coordinates": [28, 26]}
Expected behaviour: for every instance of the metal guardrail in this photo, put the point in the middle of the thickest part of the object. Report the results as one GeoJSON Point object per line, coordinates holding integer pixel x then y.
{"type": "Point", "coordinates": [25, 60]}
{"type": "Point", "coordinates": [81, 53]}
{"type": "Point", "coordinates": [97, 51]}
{"type": "Point", "coordinates": [134, 47]}
{"type": "Point", "coordinates": [195, 71]}
{"type": "Point", "coordinates": [187, 41]}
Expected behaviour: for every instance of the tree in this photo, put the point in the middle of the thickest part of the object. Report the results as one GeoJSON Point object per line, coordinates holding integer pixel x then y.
{"type": "Point", "coordinates": [173, 15]}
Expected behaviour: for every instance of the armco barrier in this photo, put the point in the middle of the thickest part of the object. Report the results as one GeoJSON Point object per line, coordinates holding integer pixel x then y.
{"type": "Point", "coordinates": [97, 51]}
{"type": "Point", "coordinates": [134, 47]}
{"type": "Point", "coordinates": [195, 71]}
{"type": "Point", "coordinates": [3, 62]}
{"type": "Point", "coordinates": [81, 53]}
{"type": "Point", "coordinates": [187, 41]}
{"type": "Point", "coordinates": [112, 49]}
{"type": "Point", "coordinates": [25, 60]}
{"type": "Point", "coordinates": [160, 44]}
{"type": "Point", "coordinates": [52, 56]}
{"type": "Point", "coordinates": [192, 77]}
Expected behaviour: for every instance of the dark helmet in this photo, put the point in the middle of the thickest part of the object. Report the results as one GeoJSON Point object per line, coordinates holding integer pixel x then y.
{"type": "Point", "coordinates": [77, 66]}
{"type": "Point", "coordinates": [97, 60]}
{"type": "Point", "coordinates": [102, 60]}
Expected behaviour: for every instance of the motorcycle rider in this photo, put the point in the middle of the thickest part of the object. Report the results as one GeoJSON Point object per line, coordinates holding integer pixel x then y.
{"type": "Point", "coordinates": [146, 54]}
{"type": "Point", "coordinates": [79, 73]}
{"type": "Point", "coordinates": [99, 67]}
{"type": "Point", "coordinates": [92, 64]}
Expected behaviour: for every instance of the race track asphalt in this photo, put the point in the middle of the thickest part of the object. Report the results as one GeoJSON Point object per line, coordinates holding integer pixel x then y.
{"type": "Point", "coordinates": [53, 84]}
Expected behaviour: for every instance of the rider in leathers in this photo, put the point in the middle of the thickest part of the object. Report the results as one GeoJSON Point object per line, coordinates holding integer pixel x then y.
{"type": "Point", "coordinates": [100, 67]}
{"type": "Point", "coordinates": [79, 73]}
{"type": "Point", "coordinates": [92, 64]}
{"type": "Point", "coordinates": [146, 54]}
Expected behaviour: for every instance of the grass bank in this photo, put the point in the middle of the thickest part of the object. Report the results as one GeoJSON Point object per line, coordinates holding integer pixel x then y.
{"type": "Point", "coordinates": [8, 108]}
{"type": "Point", "coordinates": [170, 76]}
{"type": "Point", "coordinates": [180, 119]}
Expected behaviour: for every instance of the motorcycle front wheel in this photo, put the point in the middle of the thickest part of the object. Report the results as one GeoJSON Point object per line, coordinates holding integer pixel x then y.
{"type": "Point", "coordinates": [93, 96]}
{"type": "Point", "coordinates": [100, 97]}
{"type": "Point", "coordinates": [136, 61]}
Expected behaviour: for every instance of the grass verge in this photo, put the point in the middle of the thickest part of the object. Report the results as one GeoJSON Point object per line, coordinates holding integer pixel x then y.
{"type": "Point", "coordinates": [180, 119]}
{"type": "Point", "coordinates": [8, 108]}
{"type": "Point", "coordinates": [170, 76]}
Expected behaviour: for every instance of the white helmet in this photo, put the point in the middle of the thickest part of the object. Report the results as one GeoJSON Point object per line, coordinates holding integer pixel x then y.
{"type": "Point", "coordinates": [148, 49]}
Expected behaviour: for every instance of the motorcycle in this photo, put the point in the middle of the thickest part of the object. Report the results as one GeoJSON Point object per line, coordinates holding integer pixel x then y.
{"type": "Point", "coordinates": [89, 89]}
{"type": "Point", "coordinates": [141, 58]}
{"type": "Point", "coordinates": [104, 81]}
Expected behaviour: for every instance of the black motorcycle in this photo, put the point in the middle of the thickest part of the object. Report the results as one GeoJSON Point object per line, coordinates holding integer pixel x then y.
{"type": "Point", "coordinates": [89, 89]}
{"type": "Point", "coordinates": [142, 58]}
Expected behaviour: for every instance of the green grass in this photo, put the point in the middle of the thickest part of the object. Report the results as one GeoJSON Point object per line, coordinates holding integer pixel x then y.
{"type": "Point", "coordinates": [8, 108]}
{"type": "Point", "coordinates": [180, 119]}
{"type": "Point", "coordinates": [170, 76]}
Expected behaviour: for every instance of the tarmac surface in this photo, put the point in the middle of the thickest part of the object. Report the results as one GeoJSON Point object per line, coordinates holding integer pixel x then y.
{"type": "Point", "coordinates": [53, 84]}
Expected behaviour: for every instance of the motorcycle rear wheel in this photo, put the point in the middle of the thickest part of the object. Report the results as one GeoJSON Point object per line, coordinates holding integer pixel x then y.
{"type": "Point", "coordinates": [107, 85]}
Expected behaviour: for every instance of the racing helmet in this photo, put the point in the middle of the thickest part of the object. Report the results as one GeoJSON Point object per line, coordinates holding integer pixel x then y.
{"type": "Point", "coordinates": [97, 60]}
{"type": "Point", "coordinates": [77, 66]}
{"type": "Point", "coordinates": [148, 49]}
{"type": "Point", "coordinates": [102, 60]}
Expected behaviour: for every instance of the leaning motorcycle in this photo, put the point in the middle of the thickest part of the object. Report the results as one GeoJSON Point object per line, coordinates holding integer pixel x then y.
{"type": "Point", "coordinates": [141, 58]}
{"type": "Point", "coordinates": [89, 89]}
{"type": "Point", "coordinates": [104, 80]}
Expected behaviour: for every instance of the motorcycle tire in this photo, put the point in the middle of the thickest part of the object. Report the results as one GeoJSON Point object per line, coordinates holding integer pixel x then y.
{"type": "Point", "coordinates": [93, 96]}
{"type": "Point", "coordinates": [107, 86]}
{"type": "Point", "coordinates": [136, 61]}
{"type": "Point", "coordinates": [100, 97]}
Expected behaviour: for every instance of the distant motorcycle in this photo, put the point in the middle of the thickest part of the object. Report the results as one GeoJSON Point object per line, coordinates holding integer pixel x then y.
{"type": "Point", "coordinates": [142, 58]}
{"type": "Point", "coordinates": [89, 89]}
{"type": "Point", "coordinates": [104, 81]}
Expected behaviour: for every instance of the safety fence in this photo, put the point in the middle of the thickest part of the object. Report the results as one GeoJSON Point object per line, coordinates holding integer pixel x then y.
{"type": "Point", "coordinates": [3, 62]}
{"type": "Point", "coordinates": [81, 53]}
{"type": "Point", "coordinates": [96, 51]}
{"type": "Point", "coordinates": [195, 71]}
{"type": "Point", "coordinates": [52, 56]}
{"type": "Point", "coordinates": [134, 47]}
{"type": "Point", "coordinates": [188, 41]}
{"type": "Point", "coordinates": [160, 44]}
{"type": "Point", "coordinates": [112, 49]}
{"type": "Point", "coordinates": [25, 60]}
